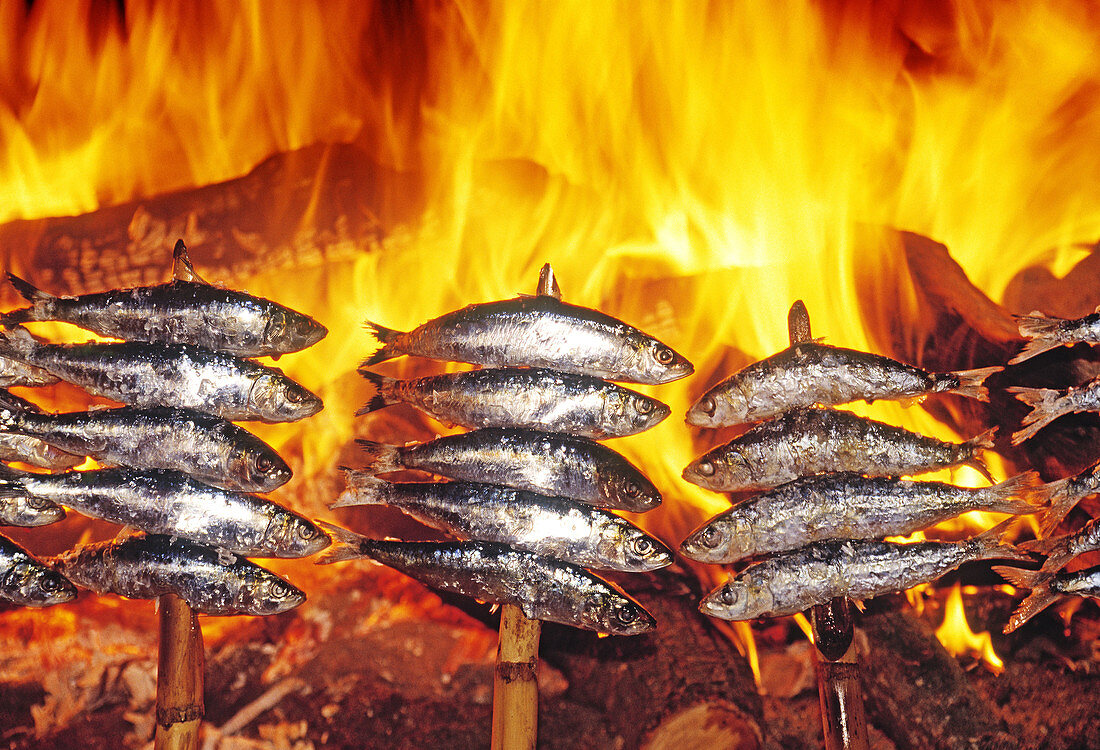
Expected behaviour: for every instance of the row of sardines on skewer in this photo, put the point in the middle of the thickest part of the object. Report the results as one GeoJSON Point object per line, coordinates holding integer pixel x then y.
{"type": "Point", "coordinates": [169, 463]}
{"type": "Point", "coordinates": [528, 490]}
{"type": "Point", "coordinates": [829, 488]}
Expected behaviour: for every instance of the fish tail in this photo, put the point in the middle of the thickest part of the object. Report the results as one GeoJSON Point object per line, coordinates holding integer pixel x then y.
{"type": "Point", "coordinates": [982, 441]}
{"type": "Point", "coordinates": [384, 396]}
{"type": "Point", "coordinates": [1062, 501]}
{"type": "Point", "coordinates": [380, 457]}
{"type": "Point", "coordinates": [990, 546]}
{"type": "Point", "coordinates": [346, 545]}
{"type": "Point", "coordinates": [32, 294]}
{"type": "Point", "coordinates": [1043, 403]}
{"type": "Point", "coordinates": [1042, 333]}
{"type": "Point", "coordinates": [1039, 599]}
{"type": "Point", "coordinates": [971, 383]}
{"type": "Point", "coordinates": [1030, 495]}
{"type": "Point", "coordinates": [364, 489]}
{"type": "Point", "coordinates": [388, 337]}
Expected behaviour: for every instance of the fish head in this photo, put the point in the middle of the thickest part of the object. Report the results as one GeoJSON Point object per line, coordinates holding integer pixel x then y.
{"type": "Point", "coordinates": [294, 536]}
{"type": "Point", "coordinates": [738, 599]}
{"type": "Point", "coordinates": [721, 406]}
{"type": "Point", "coordinates": [616, 613]}
{"type": "Point", "coordinates": [277, 398]}
{"type": "Point", "coordinates": [257, 468]}
{"type": "Point", "coordinates": [34, 585]}
{"type": "Point", "coordinates": [290, 331]}
{"type": "Point", "coordinates": [627, 489]}
{"type": "Point", "coordinates": [723, 469]}
{"type": "Point", "coordinates": [658, 363]}
{"type": "Point", "coordinates": [263, 593]}
{"type": "Point", "coordinates": [28, 510]}
{"type": "Point", "coordinates": [721, 540]}
{"type": "Point", "coordinates": [634, 550]}
{"type": "Point", "coordinates": [632, 412]}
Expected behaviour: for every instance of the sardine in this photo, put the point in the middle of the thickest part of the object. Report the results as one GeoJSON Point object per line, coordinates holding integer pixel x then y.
{"type": "Point", "coordinates": [31, 450]}
{"type": "Point", "coordinates": [1046, 591]}
{"type": "Point", "coordinates": [24, 510]}
{"type": "Point", "coordinates": [177, 375]}
{"type": "Point", "coordinates": [1044, 334]}
{"type": "Point", "coordinates": [537, 331]}
{"type": "Point", "coordinates": [1060, 550]}
{"type": "Point", "coordinates": [818, 441]}
{"type": "Point", "coordinates": [1048, 404]}
{"type": "Point", "coordinates": [180, 312]}
{"type": "Point", "coordinates": [530, 398]}
{"type": "Point", "coordinates": [168, 502]}
{"type": "Point", "coordinates": [549, 526]}
{"type": "Point", "coordinates": [211, 581]}
{"type": "Point", "coordinates": [545, 589]}
{"type": "Point", "coordinates": [1066, 493]}
{"type": "Point", "coordinates": [814, 374]}
{"type": "Point", "coordinates": [13, 373]}
{"type": "Point", "coordinates": [543, 462]}
{"type": "Point", "coordinates": [846, 506]}
{"type": "Point", "coordinates": [202, 445]}
{"type": "Point", "coordinates": [795, 581]}
{"type": "Point", "coordinates": [26, 581]}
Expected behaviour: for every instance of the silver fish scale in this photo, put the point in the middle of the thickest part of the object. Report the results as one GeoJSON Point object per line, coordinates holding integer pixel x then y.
{"type": "Point", "coordinates": [1078, 583]}
{"type": "Point", "coordinates": [1086, 539]}
{"type": "Point", "coordinates": [815, 441]}
{"type": "Point", "coordinates": [202, 445]}
{"type": "Point", "coordinates": [795, 581]}
{"type": "Point", "coordinates": [533, 398]}
{"type": "Point", "coordinates": [542, 462]}
{"type": "Point", "coordinates": [550, 526]}
{"type": "Point", "coordinates": [830, 506]}
{"type": "Point", "coordinates": [145, 567]}
{"type": "Point", "coordinates": [544, 588]}
{"type": "Point", "coordinates": [13, 373]}
{"type": "Point", "coordinates": [167, 502]}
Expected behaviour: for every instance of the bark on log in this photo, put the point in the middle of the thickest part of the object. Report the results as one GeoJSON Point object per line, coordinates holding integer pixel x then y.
{"type": "Point", "coordinates": [301, 207]}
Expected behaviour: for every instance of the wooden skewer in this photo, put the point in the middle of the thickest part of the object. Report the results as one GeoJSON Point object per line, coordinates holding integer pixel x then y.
{"type": "Point", "coordinates": [838, 688]}
{"type": "Point", "coordinates": [179, 676]}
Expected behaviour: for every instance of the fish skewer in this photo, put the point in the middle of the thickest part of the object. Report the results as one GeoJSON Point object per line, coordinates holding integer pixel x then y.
{"type": "Point", "coordinates": [179, 312]}
{"type": "Point", "coordinates": [1047, 590]}
{"type": "Point", "coordinates": [26, 581]}
{"type": "Point", "coordinates": [538, 331]}
{"type": "Point", "coordinates": [1048, 405]}
{"type": "Point", "coordinates": [205, 446]}
{"type": "Point", "coordinates": [817, 441]}
{"type": "Point", "coordinates": [543, 462]}
{"type": "Point", "coordinates": [530, 398]}
{"type": "Point", "coordinates": [847, 506]}
{"type": "Point", "coordinates": [545, 589]}
{"type": "Point", "coordinates": [174, 375]}
{"type": "Point", "coordinates": [548, 526]}
{"type": "Point", "coordinates": [169, 502]}
{"type": "Point", "coordinates": [809, 373]}
{"type": "Point", "coordinates": [212, 582]}
{"type": "Point", "coordinates": [1044, 334]}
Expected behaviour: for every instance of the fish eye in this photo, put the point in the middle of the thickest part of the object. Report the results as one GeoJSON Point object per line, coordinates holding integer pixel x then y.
{"type": "Point", "coordinates": [625, 613]}
{"type": "Point", "coordinates": [664, 355]}
{"type": "Point", "coordinates": [307, 532]}
{"type": "Point", "coordinates": [631, 490]}
{"type": "Point", "coordinates": [728, 596]}
{"type": "Point", "coordinates": [643, 545]}
{"type": "Point", "coordinates": [49, 583]}
{"type": "Point", "coordinates": [38, 503]}
{"type": "Point", "coordinates": [293, 396]}
{"type": "Point", "coordinates": [264, 464]}
{"type": "Point", "coordinates": [643, 405]}
{"type": "Point", "coordinates": [280, 590]}
{"type": "Point", "coordinates": [708, 405]}
{"type": "Point", "coordinates": [710, 537]}
{"type": "Point", "coordinates": [706, 468]}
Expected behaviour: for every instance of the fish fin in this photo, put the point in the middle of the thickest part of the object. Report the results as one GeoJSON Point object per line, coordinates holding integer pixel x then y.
{"type": "Point", "coordinates": [380, 457]}
{"type": "Point", "coordinates": [388, 337]}
{"type": "Point", "coordinates": [1032, 495]}
{"type": "Point", "coordinates": [972, 382]}
{"type": "Point", "coordinates": [17, 343]}
{"type": "Point", "coordinates": [363, 489]}
{"type": "Point", "coordinates": [1039, 599]}
{"type": "Point", "coordinates": [548, 283]}
{"type": "Point", "coordinates": [992, 548]}
{"type": "Point", "coordinates": [32, 294]}
{"type": "Point", "coordinates": [383, 397]}
{"type": "Point", "coordinates": [346, 545]}
{"type": "Point", "coordinates": [182, 270]}
{"type": "Point", "coordinates": [982, 441]}
{"type": "Point", "coordinates": [1062, 501]}
{"type": "Point", "coordinates": [1058, 554]}
{"type": "Point", "coordinates": [1041, 333]}
{"type": "Point", "coordinates": [1043, 410]}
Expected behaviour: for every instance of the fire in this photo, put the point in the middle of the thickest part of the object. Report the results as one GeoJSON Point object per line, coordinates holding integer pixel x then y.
{"type": "Point", "coordinates": [957, 637]}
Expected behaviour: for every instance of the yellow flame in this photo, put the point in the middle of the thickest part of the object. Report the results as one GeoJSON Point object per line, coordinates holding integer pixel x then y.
{"type": "Point", "coordinates": [957, 637]}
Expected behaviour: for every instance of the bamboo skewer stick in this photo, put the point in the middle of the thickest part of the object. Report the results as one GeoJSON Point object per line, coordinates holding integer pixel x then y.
{"type": "Point", "coordinates": [839, 692]}
{"type": "Point", "coordinates": [179, 676]}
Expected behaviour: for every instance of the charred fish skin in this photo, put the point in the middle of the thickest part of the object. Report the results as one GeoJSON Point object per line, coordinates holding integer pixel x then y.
{"type": "Point", "coordinates": [544, 588]}
{"type": "Point", "coordinates": [169, 502]}
{"type": "Point", "coordinates": [543, 462]}
{"type": "Point", "coordinates": [845, 506]}
{"type": "Point", "coordinates": [15, 373]}
{"type": "Point", "coordinates": [529, 398]}
{"type": "Point", "coordinates": [794, 581]}
{"type": "Point", "coordinates": [1043, 333]}
{"type": "Point", "coordinates": [205, 446]}
{"type": "Point", "coordinates": [180, 312]}
{"type": "Point", "coordinates": [175, 375]}
{"type": "Point", "coordinates": [26, 581]}
{"type": "Point", "coordinates": [1048, 405]}
{"type": "Point", "coordinates": [538, 331]}
{"type": "Point", "coordinates": [1045, 590]}
{"type": "Point", "coordinates": [811, 373]}
{"type": "Point", "coordinates": [818, 441]}
{"type": "Point", "coordinates": [1066, 493]}
{"type": "Point", "coordinates": [547, 526]}
{"type": "Point", "coordinates": [1061, 550]}
{"type": "Point", "coordinates": [147, 566]}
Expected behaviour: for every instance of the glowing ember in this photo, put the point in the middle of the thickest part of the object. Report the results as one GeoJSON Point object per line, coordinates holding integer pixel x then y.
{"type": "Point", "coordinates": [957, 637]}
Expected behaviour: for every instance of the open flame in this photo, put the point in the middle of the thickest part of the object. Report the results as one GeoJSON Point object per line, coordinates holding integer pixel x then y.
{"type": "Point", "coordinates": [957, 637]}
{"type": "Point", "coordinates": [692, 168]}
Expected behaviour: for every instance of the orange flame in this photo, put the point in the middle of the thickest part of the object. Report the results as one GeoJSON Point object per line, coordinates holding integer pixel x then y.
{"type": "Point", "coordinates": [957, 637]}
